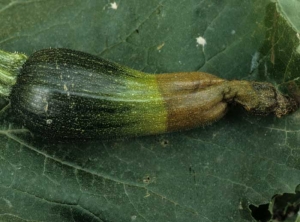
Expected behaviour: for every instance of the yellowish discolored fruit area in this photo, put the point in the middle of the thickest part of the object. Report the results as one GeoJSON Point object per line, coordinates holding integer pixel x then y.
{"type": "Point", "coordinates": [147, 109]}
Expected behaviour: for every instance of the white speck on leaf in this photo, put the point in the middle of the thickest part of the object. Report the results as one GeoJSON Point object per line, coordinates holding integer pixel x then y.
{"type": "Point", "coordinates": [201, 41]}
{"type": "Point", "coordinates": [255, 61]}
{"type": "Point", "coordinates": [114, 5]}
{"type": "Point", "coordinates": [232, 32]}
{"type": "Point", "coordinates": [160, 46]}
{"type": "Point", "coordinates": [46, 106]}
{"type": "Point", "coordinates": [49, 121]}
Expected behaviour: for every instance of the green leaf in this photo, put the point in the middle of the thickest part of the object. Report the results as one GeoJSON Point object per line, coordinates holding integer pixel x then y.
{"type": "Point", "coordinates": [289, 11]}
{"type": "Point", "coordinates": [207, 174]}
{"type": "Point", "coordinates": [289, 48]}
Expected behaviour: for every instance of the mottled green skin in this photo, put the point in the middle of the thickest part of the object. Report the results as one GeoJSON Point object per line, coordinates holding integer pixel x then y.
{"type": "Point", "coordinates": [62, 93]}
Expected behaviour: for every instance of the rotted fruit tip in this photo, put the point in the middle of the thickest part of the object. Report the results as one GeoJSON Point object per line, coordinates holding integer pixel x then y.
{"type": "Point", "coordinates": [285, 105]}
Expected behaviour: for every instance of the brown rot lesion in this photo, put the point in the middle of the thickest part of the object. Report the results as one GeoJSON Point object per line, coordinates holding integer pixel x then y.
{"type": "Point", "coordinates": [262, 98]}
{"type": "Point", "coordinates": [196, 98]}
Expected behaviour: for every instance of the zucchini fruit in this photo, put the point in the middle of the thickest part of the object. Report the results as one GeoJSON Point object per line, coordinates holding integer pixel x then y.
{"type": "Point", "coordinates": [62, 93]}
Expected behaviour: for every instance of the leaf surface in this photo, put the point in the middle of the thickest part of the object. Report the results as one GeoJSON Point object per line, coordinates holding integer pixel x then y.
{"type": "Point", "coordinates": [212, 173]}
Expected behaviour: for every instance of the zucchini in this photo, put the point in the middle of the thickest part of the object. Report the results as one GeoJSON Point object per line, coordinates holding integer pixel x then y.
{"type": "Point", "coordinates": [62, 93]}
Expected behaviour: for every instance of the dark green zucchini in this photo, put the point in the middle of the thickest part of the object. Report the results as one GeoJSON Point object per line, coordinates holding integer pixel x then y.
{"type": "Point", "coordinates": [61, 93]}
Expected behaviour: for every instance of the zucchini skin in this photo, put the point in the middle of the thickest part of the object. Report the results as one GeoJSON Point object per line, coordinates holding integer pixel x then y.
{"type": "Point", "coordinates": [62, 93]}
